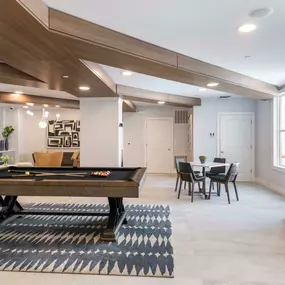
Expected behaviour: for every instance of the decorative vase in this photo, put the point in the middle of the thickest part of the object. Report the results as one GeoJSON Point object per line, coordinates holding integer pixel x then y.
{"type": "Point", "coordinates": [2, 145]}
{"type": "Point", "coordinates": [6, 144]}
{"type": "Point", "coordinates": [202, 159]}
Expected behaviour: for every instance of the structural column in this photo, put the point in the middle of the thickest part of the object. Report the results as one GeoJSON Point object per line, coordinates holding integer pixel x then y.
{"type": "Point", "coordinates": [101, 136]}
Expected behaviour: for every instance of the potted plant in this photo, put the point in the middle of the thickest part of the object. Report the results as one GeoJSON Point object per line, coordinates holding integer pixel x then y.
{"type": "Point", "coordinates": [202, 158]}
{"type": "Point", "coordinates": [5, 159]}
{"type": "Point", "coordinates": [7, 131]}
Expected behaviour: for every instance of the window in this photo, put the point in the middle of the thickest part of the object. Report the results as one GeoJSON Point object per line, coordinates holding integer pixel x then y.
{"type": "Point", "coordinates": [279, 129]}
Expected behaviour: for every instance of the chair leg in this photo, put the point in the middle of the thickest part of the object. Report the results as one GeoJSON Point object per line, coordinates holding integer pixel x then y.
{"type": "Point", "coordinates": [179, 190]}
{"type": "Point", "coordinates": [199, 186]}
{"type": "Point", "coordinates": [189, 188]}
{"type": "Point", "coordinates": [235, 186]}
{"type": "Point", "coordinates": [192, 194]}
{"type": "Point", "coordinates": [228, 193]}
{"type": "Point", "coordinates": [212, 185]}
{"type": "Point", "coordinates": [177, 181]}
{"type": "Point", "coordinates": [185, 185]}
{"type": "Point", "coordinates": [210, 190]}
{"type": "Point", "coordinates": [218, 189]}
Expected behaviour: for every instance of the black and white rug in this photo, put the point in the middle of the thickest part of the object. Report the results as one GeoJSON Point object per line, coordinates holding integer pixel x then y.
{"type": "Point", "coordinates": [70, 244]}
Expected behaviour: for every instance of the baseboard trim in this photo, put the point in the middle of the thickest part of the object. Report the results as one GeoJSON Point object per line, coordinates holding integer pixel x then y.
{"type": "Point", "coordinates": [276, 188]}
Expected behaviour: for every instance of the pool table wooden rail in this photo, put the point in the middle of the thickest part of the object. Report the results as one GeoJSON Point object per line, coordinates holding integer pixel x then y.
{"type": "Point", "coordinates": [74, 188]}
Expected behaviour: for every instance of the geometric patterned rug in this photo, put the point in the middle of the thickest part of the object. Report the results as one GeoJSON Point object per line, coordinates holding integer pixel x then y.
{"type": "Point", "coordinates": [70, 244]}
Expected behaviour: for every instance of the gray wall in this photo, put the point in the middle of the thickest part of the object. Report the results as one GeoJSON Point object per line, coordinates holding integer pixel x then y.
{"type": "Point", "coordinates": [265, 174]}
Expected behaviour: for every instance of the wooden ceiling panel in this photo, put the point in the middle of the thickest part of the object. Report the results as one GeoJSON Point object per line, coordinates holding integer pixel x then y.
{"type": "Point", "coordinates": [38, 100]}
{"type": "Point", "coordinates": [129, 106]}
{"type": "Point", "coordinates": [70, 25]}
{"type": "Point", "coordinates": [141, 95]}
{"type": "Point", "coordinates": [98, 44]}
{"type": "Point", "coordinates": [47, 44]}
{"type": "Point", "coordinates": [31, 48]}
{"type": "Point", "coordinates": [10, 75]}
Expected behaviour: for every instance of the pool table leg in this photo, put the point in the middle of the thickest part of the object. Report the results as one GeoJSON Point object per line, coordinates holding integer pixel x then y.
{"type": "Point", "coordinates": [10, 206]}
{"type": "Point", "coordinates": [117, 216]}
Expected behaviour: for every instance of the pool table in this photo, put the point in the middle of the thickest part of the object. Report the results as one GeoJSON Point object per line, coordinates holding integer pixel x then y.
{"type": "Point", "coordinates": [70, 182]}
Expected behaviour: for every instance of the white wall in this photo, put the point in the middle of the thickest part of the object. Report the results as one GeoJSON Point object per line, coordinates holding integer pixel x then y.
{"type": "Point", "coordinates": [100, 134]}
{"type": "Point", "coordinates": [265, 174]}
{"type": "Point", "coordinates": [205, 122]}
{"type": "Point", "coordinates": [31, 137]}
{"type": "Point", "coordinates": [135, 135]}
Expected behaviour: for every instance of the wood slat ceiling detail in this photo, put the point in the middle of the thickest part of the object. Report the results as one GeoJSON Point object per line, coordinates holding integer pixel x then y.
{"type": "Point", "coordinates": [46, 44]}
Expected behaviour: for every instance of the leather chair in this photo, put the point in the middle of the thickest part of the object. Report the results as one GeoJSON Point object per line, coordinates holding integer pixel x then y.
{"type": "Point", "coordinates": [231, 176]}
{"type": "Point", "coordinates": [177, 161]}
{"type": "Point", "coordinates": [217, 170]}
{"type": "Point", "coordinates": [48, 158]}
{"type": "Point", "coordinates": [76, 159]}
{"type": "Point", "coordinates": [187, 174]}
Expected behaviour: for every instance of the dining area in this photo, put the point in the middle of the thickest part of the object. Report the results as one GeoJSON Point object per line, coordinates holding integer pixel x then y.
{"type": "Point", "coordinates": [206, 178]}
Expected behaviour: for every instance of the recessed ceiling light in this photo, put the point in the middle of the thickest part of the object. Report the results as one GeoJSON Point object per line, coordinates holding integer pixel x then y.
{"type": "Point", "coordinates": [256, 77]}
{"type": "Point", "coordinates": [127, 73]}
{"type": "Point", "coordinates": [161, 102]}
{"type": "Point", "coordinates": [65, 76]}
{"type": "Point", "coordinates": [84, 88]}
{"type": "Point", "coordinates": [247, 28]}
{"type": "Point", "coordinates": [25, 107]}
{"type": "Point", "coordinates": [30, 104]}
{"type": "Point", "coordinates": [212, 84]}
{"type": "Point", "coordinates": [57, 106]}
{"type": "Point", "coordinates": [18, 92]}
{"type": "Point", "coordinates": [261, 13]}
{"type": "Point", "coordinates": [202, 89]}
{"type": "Point", "coordinates": [45, 105]}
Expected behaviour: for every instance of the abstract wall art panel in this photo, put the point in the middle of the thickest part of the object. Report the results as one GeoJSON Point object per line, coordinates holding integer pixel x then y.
{"type": "Point", "coordinates": [63, 134]}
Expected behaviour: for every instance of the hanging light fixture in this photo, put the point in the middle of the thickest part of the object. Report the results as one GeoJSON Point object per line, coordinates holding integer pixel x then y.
{"type": "Point", "coordinates": [43, 122]}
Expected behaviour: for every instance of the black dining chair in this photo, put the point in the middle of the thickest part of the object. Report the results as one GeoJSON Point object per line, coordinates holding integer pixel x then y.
{"type": "Point", "coordinates": [187, 174]}
{"type": "Point", "coordinates": [217, 170]}
{"type": "Point", "coordinates": [231, 176]}
{"type": "Point", "coordinates": [177, 161]}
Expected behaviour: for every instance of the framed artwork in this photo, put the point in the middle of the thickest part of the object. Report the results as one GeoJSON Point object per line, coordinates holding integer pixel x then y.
{"type": "Point", "coordinates": [63, 134]}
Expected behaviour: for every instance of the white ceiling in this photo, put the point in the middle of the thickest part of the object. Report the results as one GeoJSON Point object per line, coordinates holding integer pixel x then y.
{"type": "Point", "coordinates": [36, 91]}
{"type": "Point", "coordinates": [156, 84]}
{"type": "Point", "coordinates": [203, 29]}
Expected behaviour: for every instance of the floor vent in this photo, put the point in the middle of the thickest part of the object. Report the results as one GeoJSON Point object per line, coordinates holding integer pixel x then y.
{"type": "Point", "coordinates": [181, 117]}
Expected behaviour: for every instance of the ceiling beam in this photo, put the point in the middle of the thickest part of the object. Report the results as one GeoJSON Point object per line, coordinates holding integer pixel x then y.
{"type": "Point", "coordinates": [129, 106]}
{"type": "Point", "coordinates": [38, 9]}
{"type": "Point", "coordinates": [38, 100]}
{"type": "Point", "coordinates": [28, 46]}
{"type": "Point", "coordinates": [141, 95]}
{"type": "Point", "coordinates": [10, 75]}
{"type": "Point", "coordinates": [99, 44]}
{"type": "Point", "coordinates": [51, 49]}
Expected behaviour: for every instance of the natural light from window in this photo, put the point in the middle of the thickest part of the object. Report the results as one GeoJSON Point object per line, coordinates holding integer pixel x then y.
{"type": "Point", "coordinates": [279, 116]}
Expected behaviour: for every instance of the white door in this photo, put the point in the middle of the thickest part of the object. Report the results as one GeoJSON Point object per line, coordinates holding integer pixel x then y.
{"type": "Point", "coordinates": [159, 145]}
{"type": "Point", "coordinates": [236, 142]}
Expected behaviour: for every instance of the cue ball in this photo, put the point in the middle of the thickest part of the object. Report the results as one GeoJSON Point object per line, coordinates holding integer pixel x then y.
{"type": "Point", "coordinates": [27, 173]}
